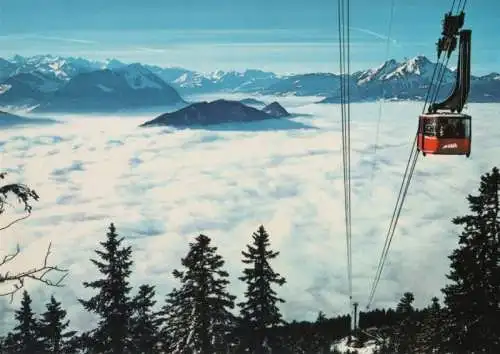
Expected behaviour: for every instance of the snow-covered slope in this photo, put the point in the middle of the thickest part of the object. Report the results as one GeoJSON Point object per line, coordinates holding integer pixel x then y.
{"type": "Point", "coordinates": [316, 84]}
{"type": "Point", "coordinates": [233, 81]}
{"type": "Point", "coordinates": [26, 89]}
{"type": "Point", "coordinates": [344, 346]}
{"type": "Point", "coordinates": [138, 77]}
{"type": "Point", "coordinates": [131, 86]}
{"type": "Point", "coordinates": [55, 66]}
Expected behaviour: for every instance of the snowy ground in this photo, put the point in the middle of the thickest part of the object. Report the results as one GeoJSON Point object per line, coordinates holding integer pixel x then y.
{"type": "Point", "coordinates": [163, 187]}
{"type": "Point", "coordinates": [343, 346]}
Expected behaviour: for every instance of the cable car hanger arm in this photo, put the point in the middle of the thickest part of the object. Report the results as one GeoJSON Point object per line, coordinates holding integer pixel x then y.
{"type": "Point", "coordinates": [456, 101]}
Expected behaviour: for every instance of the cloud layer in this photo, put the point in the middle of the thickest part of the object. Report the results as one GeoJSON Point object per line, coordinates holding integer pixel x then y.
{"type": "Point", "coordinates": [163, 187]}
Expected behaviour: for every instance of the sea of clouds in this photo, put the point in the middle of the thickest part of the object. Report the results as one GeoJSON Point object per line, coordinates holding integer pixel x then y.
{"type": "Point", "coordinates": [162, 187]}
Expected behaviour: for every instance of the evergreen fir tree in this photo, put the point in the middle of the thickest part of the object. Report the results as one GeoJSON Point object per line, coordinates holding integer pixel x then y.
{"type": "Point", "coordinates": [473, 297]}
{"type": "Point", "coordinates": [260, 312]}
{"type": "Point", "coordinates": [322, 335]}
{"type": "Point", "coordinates": [53, 328]}
{"type": "Point", "coordinates": [430, 336]}
{"type": "Point", "coordinates": [112, 303]}
{"type": "Point", "coordinates": [197, 317]}
{"type": "Point", "coordinates": [82, 343]}
{"type": "Point", "coordinates": [25, 338]}
{"type": "Point", "coordinates": [144, 321]}
{"type": "Point", "coordinates": [404, 337]}
{"type": "Point", "coordinates": [405, 307]}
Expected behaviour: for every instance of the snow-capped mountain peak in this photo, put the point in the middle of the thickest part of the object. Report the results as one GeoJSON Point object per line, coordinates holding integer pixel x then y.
{"type": "Point", "coordinates": [418, 69]}
{"type": "Point", "coordinates": [418, 65]}
{"type": "Point", "coordinates": [191, 79]}
{"type": "Point", "coordinates": [63, 68]}
{"type": "Point", "coordinates": [138, 77]}
{"type": "Point", "coordinates": [57, 68]}
{"type": "Point", "coordinates": [181, 79]}
{"type": "Point", "coordinates": [216, 75]}
{"type": "Point", "coordinates": [379, 73]}
{"type": "Point", "coordinates": [113, 64]}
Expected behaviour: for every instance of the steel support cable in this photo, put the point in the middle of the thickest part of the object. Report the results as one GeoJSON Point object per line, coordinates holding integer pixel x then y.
{"type": "Point", "coordinates": [345, 115]}
{"type": "Point", "coordinates": [404, 186]}
{"type": "Point", "coordinates": [399, 200]}
{"type": "Point", "coordinates": [453, 4]}
{"type": "Point", "coordinates": [414, 159]}
{"type": "Point", "coordinates": [411, 162]}
{"type": "Point", "coordinates": [443, 67]}
{"type": "Point", "coordinates": [345, 149]}
{"type": "Point", "coordinates": [348, 149]}
{"type": "Point", "coordinates": [342, 107]}
{"type": "Point", "coordinates": [342, 99]}
{"type": "Point", "coordinates": [386, 243]}
{"type": "Point", "coordinates": [429, 97]}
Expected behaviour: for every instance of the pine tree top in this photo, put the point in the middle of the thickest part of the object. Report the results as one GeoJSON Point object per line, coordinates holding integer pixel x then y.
{"type": "Point", "coordinates": [260, 310]}
{"type": "Point", "coordinates": [472, 295]}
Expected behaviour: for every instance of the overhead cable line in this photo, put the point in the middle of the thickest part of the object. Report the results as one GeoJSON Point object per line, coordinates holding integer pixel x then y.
{"type": "Point", "coordinates": [410, 167]}
{"type": "Point", "coordinates": [344, 63]}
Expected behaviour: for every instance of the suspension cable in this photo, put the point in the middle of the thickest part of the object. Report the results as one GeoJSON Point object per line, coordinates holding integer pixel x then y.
{"type": "Point", "coordinates": [443, 66]}
{"type": "Point", "coordinates": [344, 62]}
{"type": "Point", "coordinates": [348, 148]}
{"type": "Point", "coordinates": [442, 70]}
{"type": "Point", "coordinates": [410, 167]}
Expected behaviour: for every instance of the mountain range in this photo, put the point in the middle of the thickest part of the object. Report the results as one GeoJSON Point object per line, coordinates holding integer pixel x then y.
{"type": "Point", "coordinates": [46, 83]}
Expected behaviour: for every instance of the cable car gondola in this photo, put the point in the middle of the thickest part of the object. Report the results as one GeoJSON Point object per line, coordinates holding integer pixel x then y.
{"type": "Point", "coordinates": [445, 134]}
{"type": "Point", "coordinates": [449, 133]}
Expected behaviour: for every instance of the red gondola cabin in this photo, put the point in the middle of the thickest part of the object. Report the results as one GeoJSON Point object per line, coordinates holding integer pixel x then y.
{"type": "Point", "coordinates": [449, 133]}
{"type": "Point", "coordinates": [444, 134]}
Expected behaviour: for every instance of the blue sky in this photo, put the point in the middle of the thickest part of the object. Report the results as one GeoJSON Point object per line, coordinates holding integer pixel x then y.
{"type": "Point", "coordinates": [278, 35]}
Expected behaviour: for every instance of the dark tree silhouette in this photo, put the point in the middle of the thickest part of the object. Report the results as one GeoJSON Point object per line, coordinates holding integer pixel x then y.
{"type": "Point", "coordinates": [25, 196]}
{"type": "Point", "coordinates": [112, 303]}
{"type": "Point", "coordinates": [321, 336]}
{"type": "Point", "coordinates": [53, 329]}
{"type": "Point", "coordinates": [404, 337]}
{"type": "Point", "coordinates": [144, 321]}
{"type": "Point", "coordinates": [473, 297]}
{"type": "Point", "coordinates": [260, 312]}
{"type": "Point", "coordinates": [25, 338]}
{"type": "Point", "coordinates": [430, 336]}
{"type": "Point", "coordinates": [197, 317]}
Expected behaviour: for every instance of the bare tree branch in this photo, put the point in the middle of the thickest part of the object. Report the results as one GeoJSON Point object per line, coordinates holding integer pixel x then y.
{"type": "Point", "coordinates": [15, 221]}
{"type": "Point", "coordinates": [38, 273]}
{"type": "Point", "coordinates": [24, 195]}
